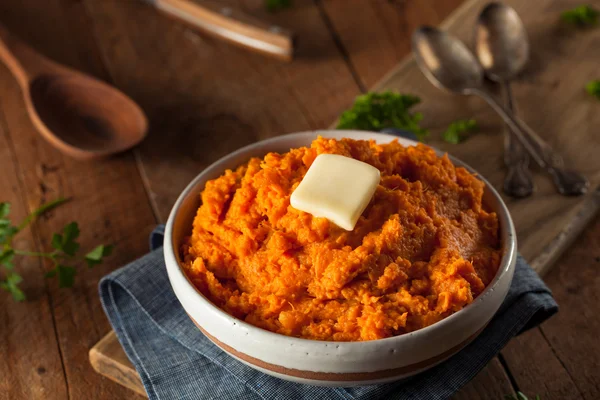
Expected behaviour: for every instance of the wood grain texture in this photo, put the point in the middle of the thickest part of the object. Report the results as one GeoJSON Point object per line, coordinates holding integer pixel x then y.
{"type": "Point", "coordinates": [571, 336]}
{"type": "Point", "coordinates": [491, 383]}
{"type": "Point", "coordinates": [109, 203]}
{"type": "Point", "coordinates": [114, 219]}
{"type": "Point", "coordinates": [376, 33]}
{"type": "Point", "coordinates": [33, 370]}
{"type": "Point", "coordinates": [107, 357]}
{"type": "Point", "coordinates": [530, 357]}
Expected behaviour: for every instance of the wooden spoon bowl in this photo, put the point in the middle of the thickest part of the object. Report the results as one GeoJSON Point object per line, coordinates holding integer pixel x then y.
{"type": "Point", "coordinates": [80, 115]}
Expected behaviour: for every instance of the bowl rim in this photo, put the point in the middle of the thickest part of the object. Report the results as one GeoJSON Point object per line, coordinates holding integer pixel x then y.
{"type": "Point", "coordinates": [508, 239]}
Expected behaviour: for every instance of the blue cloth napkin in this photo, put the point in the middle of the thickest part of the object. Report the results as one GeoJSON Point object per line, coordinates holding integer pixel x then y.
{"type": "Point", "coordinates": [177, 362]}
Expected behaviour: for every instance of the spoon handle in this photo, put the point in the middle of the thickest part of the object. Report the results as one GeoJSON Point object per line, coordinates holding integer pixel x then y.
{"type": "Point", "coordinates": [568, 182]}
{"type": "Point", "coordinates": [230, 23]}
{"type": "Point", "coordinates": [8, 43]}
{"type": "Point", "coordinates": [23, 61]}
{"type": "Point", "coordinates": [518, 181]}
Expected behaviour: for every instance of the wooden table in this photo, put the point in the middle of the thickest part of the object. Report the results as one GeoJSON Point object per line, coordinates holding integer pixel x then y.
{"type": "Point", "coordinates": [205, 98]}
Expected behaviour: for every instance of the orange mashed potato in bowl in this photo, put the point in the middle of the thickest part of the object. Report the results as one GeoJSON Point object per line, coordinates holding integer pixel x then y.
{"type": "Point", "coordinates": [423, 249]}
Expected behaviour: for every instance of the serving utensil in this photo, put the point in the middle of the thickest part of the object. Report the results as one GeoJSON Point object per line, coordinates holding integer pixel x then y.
{"type": "Point", "coordinates": [80, 115]}
{"type": "Point", "coordinates": [231, 24]}
{"type": "Point", "coordinates": [502, 49]}
{"type": "Point", "coordinates": [450, 65]}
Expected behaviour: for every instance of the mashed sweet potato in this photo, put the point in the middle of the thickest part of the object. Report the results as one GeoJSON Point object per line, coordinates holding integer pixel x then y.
{"type": "Point", "coordinates": [423, 249]}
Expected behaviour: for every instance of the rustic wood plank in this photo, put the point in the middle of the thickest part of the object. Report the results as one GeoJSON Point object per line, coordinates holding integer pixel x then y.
{"type": "Point", "coordinates": [571, 336]}
{"type": "Point", "coordinates": [491, 383]}
{"type": "Point", "coordinates": [29, 358]}
{"type": "Point", "coordinates": [536, 369]}
{"type": "Point", "coordinates": [531, 356]}
{"type": "Point", "coordinates": [109, 202]}
{"type": "Point", "coordinates": [582, 215]}
{"type": "Point", "coordinates": [41, 24]}
{"type": "Point", "coordinates": [376, 34]}
{"type": "Point", "coordinates": [107, 355]}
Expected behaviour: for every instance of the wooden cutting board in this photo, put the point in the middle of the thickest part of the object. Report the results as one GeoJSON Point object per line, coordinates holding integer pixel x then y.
{"type": "Point", "coordinates": [549, 96]}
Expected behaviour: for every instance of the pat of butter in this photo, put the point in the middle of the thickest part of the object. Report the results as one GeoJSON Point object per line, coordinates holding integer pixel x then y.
{"type": "Point", "coordinates": [337, 188]}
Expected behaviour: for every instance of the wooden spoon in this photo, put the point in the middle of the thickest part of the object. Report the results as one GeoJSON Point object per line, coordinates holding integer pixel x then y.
{"type": "Point", "coordinates": [80, 115]}
{"type": "Point", "coordinates": [231, 24]}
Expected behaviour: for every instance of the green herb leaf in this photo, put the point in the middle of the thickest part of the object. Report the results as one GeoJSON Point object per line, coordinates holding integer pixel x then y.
{"type": "Point", "coordinates": [6, 226]}
{"type": "Point", "coordinates": [95, 256]}
{"type": "Point", "coordinates": [70, 233]}
{"type": "Point", "coordinates": [593, 88]}
{"type": "Point", "coordinates": [6, 230]}
{"type": "Point", "coordinates": [458, 131]}
{"type": "Point", "coordinates": [4, 210]}
{"type": "Point", "coordinates": [65, 245]}
{"type": "Point", "coordinates": [521, 396]}
{"type": "Point", "coordinates": [11, 285]}
{"type": "Point", "coordinates": [42, 209]}
{"type": "Point", "coordinates": [276, 5]}
{"type": "Point", "coordinates": [376, 111]}
{"type": "Point", "coordinates": [66, 242]}
{"type": "Point", "coordinates": [66, 275]}
{"type": "Point", "coordinates": [582, 16]}
{"type": "Point", "coordinates": [6, 258]}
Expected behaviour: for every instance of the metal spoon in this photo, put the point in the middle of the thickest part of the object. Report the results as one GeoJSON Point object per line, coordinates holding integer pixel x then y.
{"type": "Point", "coordinates": [502, 49]}
{"type": "Point", "coordinates": [449, 65]}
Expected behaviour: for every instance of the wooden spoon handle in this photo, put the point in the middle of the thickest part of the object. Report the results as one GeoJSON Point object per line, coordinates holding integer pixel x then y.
{"type": "Point", "coordinates": [232, 25]}
{"type": "Point", "coordinates": [23, 61]}
{"type": "Point", "coordinates": [11, 50]}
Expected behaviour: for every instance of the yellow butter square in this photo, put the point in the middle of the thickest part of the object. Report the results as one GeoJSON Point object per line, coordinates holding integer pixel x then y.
{"type": "Point", "coordinates": [337, 188]}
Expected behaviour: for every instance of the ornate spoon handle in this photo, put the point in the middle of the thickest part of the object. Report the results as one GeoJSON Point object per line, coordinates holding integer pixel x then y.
{"type": "Point", "coordinates": [518, 181]}
{"type": "Point", "coordinates": [568, 183]}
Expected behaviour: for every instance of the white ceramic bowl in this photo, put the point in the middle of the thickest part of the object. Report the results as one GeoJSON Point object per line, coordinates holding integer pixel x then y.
{"type": "Point", "coordinates": [320, 362]}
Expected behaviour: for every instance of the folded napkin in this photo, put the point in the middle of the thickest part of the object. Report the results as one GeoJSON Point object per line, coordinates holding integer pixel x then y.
{"type": "Point", "coordinates": [176, 361]}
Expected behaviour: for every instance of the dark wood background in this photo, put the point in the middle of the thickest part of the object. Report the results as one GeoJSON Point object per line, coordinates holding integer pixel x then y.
{"type": "Point", "coordinates": [205, 98]}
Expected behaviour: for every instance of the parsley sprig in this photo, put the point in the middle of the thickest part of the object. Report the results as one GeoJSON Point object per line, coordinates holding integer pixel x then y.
{"type": "Point", "coordinates": [593, 88]}
{"type": "Point", "coordinates": [583, 16]}
{"type": "Point", "coordinates": [458, 131]}
{"type": "Point", "coordinates": [63, 256]}
{"type": "Point", "coordinates": [376, 111]}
